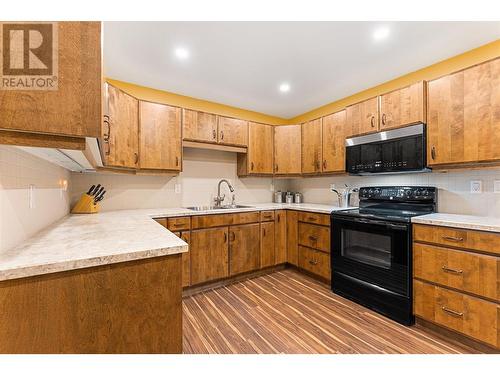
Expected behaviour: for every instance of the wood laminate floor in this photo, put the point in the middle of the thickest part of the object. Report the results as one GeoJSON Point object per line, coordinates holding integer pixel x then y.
{"type": "Point", "coordinates": [288, 312]}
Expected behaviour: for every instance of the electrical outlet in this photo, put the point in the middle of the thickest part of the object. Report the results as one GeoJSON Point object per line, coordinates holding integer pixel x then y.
{"type": "Point", "coordinates": [272, 187]}
{"type": "Point", "coordinates": [332, 187]}
{"type": "Point", "coordinates": [496, 186]}
{"type": "Point", "coordinates": [31, 196]}
{"type": "Point", "coordinates": [476, 187]}
{"type": "Point", "coordinates": [177, 188]}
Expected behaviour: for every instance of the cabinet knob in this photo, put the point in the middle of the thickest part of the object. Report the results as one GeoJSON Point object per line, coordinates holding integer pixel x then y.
{"type": "Point", "coordinates": [276, 168]}
{"type": "Point", "coordinates": [433, 153]}
{"type": "Point", "coordinates": [176, 161]}
{"type": "Point", "coordinates": [324, 164]}
{"type": "Point", "coordinates": [313, 262]}
{"type": "Point", "coordinates": [372, 121]}
{"type": "Point", "coordinates": [251, 165]}
{"type": "Point", "coordinates": [136, 157]}
{"type": "Point", "coordinates": [214, 134]}
{"type": "Point", "coordinates": [384, 119]}
{"type": "Point", "coordinates": [222, 135]}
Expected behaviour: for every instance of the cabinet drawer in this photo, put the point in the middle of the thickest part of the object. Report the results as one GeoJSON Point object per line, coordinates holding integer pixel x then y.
{"type": "Point", "coordinates": [314, 236]}
{"type": "Point", "coordinates": [474, 273]}
{"type": "Point", "coordinates": [310, 217]}
{"type": "Point", "coordinates": [315, 262]}
{"type": "Point", "coordinates": [467, 239]}
{"type": "Point", "coordinates": [162, 221]}
{"type": "Point", "coordinates": [471, 316]}
{"type": "Point", "coordinates": [267, 216]}
{"type": "Point", "coordinates": [179, 223]}
{"type": "Point", "coordinates": [208, 221]}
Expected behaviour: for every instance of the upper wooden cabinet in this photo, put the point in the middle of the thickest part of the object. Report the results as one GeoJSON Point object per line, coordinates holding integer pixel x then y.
{"type": "Point", "coordinates": [362, 118]}
{"type": "Point", "coordinates": [160, 136]}
{"type": "Point", "coordinates": [464, 116]}
{"type": "Point", "coordinates": [287, 149]}
{"type": "Point", "coordinates": [334, 128]}
{"type": "Point", "coordinates": [199, 126]}
{"type": "Point", "coordinates": [232, 131]}
{"type": "Point", "coordinates": [120, 130]}
{"type": "Point", "coordinates": [311, 146]}
{"type": "Point", "coordinates": [403, 107]}
{"type": "Point", "coordinates": [74, 108]}
{"type": "Point", "coordinates": [260, 148]}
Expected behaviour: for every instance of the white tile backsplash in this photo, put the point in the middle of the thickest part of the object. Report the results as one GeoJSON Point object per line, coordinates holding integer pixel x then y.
{"type": "Point", "coordinates": [19, 170]}
{"type": "Point", "coordinates": [454, 194]}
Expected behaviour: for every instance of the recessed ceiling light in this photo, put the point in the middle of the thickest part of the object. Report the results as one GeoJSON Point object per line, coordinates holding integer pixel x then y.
{"type": "Point", "coordinates": [381, 33]}
{"type": "Point", "coordinates": [181, 53]}
{"type": "Point", "coordinates": [285, 87]}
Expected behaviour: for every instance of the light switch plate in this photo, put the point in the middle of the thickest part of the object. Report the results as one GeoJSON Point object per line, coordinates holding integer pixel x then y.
{"type": "Point", "coordinates": [496, 186]}
{"type": "Point", "coordinates": [476, 187]}
{"type": "Point", "coordinates": [177, 188]}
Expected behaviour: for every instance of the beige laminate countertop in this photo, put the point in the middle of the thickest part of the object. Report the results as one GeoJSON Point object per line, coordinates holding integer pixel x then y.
{"type": "Point", "coordinates": [82, 241]}
{"type": "Point", "coordinates": [484, 223]}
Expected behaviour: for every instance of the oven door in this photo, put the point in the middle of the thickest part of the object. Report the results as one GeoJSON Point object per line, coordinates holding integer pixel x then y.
{"type": "Point", "coordinates": [374, 252]}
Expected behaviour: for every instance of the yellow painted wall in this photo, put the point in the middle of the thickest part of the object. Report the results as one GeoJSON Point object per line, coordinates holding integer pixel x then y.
{"type": "Point", "coordinates": [464, 60]}
{"type": "Point", "coordinates": [160, 96]}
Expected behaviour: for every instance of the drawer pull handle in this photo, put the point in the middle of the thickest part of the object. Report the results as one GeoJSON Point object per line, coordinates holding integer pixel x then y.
{"type": "Point", "coordinates": [454, 239]}
{"type": "Point", "coordinates": [452, 312]}
{"type": "Point", "coordinates": [451, 270]}
{"type": "Point", "coordinates": [312, 238]}
{"type": "Point", "coordinates": [311, 218]}
{"type": "Point", "coordinates": [313, 262]}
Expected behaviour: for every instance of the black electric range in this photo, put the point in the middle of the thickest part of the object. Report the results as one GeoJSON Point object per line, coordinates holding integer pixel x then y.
{"type": "Point", "coordinates": [371, 248]}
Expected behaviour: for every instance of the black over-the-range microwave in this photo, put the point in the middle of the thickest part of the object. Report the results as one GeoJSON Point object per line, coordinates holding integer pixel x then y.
{"type": "Point", "coordinates": [394, 151]}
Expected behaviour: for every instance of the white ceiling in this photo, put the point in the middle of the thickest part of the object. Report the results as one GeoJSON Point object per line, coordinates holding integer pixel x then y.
{"type": "Point", "coordinates": [242, 63]}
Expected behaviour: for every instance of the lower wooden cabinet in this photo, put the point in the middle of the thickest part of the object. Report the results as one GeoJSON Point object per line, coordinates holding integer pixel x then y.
{"type": "Point", "coordinates": [468, 315]}
{"type": "Point", "coordinates": [209, 254]}
{"type": "Point", "coordinates": [186, 259]}
{"type": "Point", "coordinates": [280, 255]}
{"type": "Point", "coordinates": [267, 244]}
{"type": "Point", "coordinates": [314, 261]}
{"type": "Point", "coordinates": [292, 239]}
{"type": "Point", "coordinates": [244, 248]}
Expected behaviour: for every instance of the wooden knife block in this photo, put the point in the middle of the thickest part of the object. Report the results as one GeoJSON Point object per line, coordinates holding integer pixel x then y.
{"type": "Point", "coordinates": [86, 205]}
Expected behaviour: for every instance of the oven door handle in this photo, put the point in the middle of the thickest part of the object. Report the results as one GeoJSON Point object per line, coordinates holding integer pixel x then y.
{"type": "Point", "coordinates": [385, 224]}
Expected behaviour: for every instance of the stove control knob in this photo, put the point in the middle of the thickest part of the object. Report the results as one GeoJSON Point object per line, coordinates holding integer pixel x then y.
{"type": "Point", "coordinates": [425, 192]}
{"type": "Point", "coordinates": [408, 193]}
{"type": "Point", "coordinates": [418, 193]}
{"type": "Point", "coordinates": [370, 191]}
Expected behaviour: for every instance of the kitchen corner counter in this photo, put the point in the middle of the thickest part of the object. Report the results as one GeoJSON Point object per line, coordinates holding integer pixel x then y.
{"type": "Point", "coordinates": [82, 241]}
{"type": "Point", "coordinates": [483, 223]}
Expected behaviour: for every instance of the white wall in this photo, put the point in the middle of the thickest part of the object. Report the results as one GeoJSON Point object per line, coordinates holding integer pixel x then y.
{"type": "Point", "coordinates": [453, 196]}
{"type": "Point", "coordinates": [202, 170]}
{"type": "Point", "coordinates": [19, 170]}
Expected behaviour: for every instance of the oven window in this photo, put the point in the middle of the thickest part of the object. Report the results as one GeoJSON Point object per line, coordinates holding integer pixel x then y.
{"type": "Point", "coordinates": [369, 248]}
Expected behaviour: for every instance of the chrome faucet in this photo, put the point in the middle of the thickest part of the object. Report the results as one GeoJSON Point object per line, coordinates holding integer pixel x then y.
{"type": "Point", "coordinates": [220, 198]}
{"type": "Point", "coordinates": [339, 196]}
{"type": "Point", "coordinates": [347, 194]}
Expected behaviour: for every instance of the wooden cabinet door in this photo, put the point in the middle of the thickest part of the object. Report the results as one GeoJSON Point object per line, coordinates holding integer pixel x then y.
{"type": "Point", "coordinates": [260, 148]}
{"type": "Point", "coordinates": [186, 259]}
{"type": "Point", "coordinates": [311, 146]}
{"type": "Point", "coordinates": [121, 130]}
{"type": "Point", "coordinates": [287, 149]}
{"type": "Point", "coordinates": [75, 107]}
{"type": "Point", "coordinates": [233, 131]}
{"type": "Point", "coordinates": [267, 244]}
{"type": "Point", "coordinates": [292, 237]}
{"type": "Point", "coordinates": [463, 122]}
{"type": "Point", "coordinates": [334, 142]}
{"type": "Point", "coordinates": [280, 237]}
{"type": "Point", "coordinates": [209, 254]}
{"type": "Point", "coordinates": [403, 107]}
{"type": "Point", "coordinates": [199, 126]}
{"type": "Point", "coordinates": [160, 136]}
{"type": "Point", "coordinates": [244, 248]}
{"type": "Point", "coordinates": [362, 118]}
